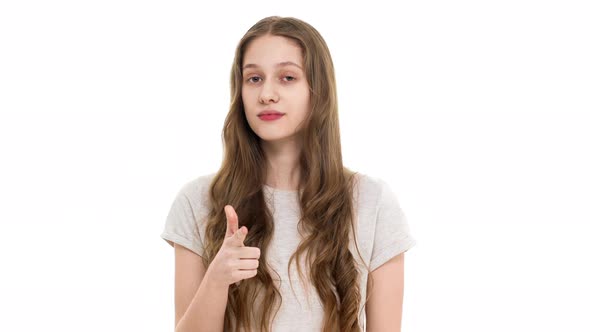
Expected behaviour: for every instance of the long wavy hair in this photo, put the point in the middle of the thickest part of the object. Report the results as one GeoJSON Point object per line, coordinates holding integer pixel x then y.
{"type": "Point", "coordinates": [325, 193]}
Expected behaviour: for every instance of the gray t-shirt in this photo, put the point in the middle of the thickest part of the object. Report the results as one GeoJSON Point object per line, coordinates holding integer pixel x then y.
{"type": "Point", "coordinates": [382, 233]}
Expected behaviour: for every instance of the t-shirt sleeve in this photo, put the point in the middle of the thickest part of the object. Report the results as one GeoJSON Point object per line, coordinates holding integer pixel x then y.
{"type": "Point", "coordinates": [181, 224]}
{"type": "Point", "coordinates": [392, 232]}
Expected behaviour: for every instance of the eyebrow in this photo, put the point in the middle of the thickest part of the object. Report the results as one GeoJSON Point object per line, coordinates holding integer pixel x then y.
{"type": "Point", "coordinates": [280, 64]}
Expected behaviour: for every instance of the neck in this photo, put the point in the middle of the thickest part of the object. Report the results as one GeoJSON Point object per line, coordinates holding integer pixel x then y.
{"type": "Point", "coordinates": [283, 164]}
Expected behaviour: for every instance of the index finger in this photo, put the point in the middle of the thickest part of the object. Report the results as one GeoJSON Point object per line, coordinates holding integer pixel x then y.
{"type": "Point", "coordinates": [232, 221]}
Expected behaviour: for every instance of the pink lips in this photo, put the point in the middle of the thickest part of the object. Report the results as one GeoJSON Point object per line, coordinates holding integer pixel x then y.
{"type": "Point", "coordinates": [270, 117]}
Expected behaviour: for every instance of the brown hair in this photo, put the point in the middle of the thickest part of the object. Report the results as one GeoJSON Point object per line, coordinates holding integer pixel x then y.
{"type": "Point", "coordinates": [325, 196]}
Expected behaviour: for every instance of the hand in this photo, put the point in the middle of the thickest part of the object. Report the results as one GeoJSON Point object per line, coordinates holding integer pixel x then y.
{"type": "Point", "coordinates": [234, 261]}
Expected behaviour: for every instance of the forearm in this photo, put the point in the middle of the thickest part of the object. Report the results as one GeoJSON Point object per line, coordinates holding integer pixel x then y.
{"type": "Point", "coordinates": [207, 309]}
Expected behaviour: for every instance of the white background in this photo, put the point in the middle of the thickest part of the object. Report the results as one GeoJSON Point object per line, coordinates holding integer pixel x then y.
{"type": "Point", "coordinates": [475, 112]}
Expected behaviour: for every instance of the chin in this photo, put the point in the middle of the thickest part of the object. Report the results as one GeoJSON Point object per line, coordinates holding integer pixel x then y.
{"type": "Point", "coordinates": [270, 137]}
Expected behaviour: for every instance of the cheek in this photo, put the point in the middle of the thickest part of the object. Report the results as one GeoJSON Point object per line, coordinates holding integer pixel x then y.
{"type": "Point", "coordinates": [247, 100]}
{"type": "Point", "coordinates": [304, 101]}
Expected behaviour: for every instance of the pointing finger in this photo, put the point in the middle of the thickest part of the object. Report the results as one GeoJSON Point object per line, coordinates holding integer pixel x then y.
{"type": "Point", "coordinates": [232, 221]}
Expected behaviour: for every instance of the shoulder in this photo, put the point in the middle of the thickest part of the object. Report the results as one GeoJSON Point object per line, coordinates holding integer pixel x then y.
{"type": "Point", "coordinates": [196, 190]}
{"type": "Point", "coordinates": [371, 188]}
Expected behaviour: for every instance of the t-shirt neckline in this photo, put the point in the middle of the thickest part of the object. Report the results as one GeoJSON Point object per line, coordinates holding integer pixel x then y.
{"type": "Point", "coordinates": [281, 191]}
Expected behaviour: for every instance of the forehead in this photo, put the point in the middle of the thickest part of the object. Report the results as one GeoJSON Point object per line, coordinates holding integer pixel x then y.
{"type": "Point", "coordinates": [268, 51]}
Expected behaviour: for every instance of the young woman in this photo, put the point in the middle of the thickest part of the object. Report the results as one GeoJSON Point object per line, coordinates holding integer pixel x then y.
{"type": "Point", "coordinates": [282, 207]}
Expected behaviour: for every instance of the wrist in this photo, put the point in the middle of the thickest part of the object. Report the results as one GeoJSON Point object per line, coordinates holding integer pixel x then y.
{"type": "Point", "coordinates": [211, 282]}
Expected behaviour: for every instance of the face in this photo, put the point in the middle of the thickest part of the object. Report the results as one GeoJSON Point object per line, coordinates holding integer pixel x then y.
{"type": "Point", "coordinates": [274, 79]}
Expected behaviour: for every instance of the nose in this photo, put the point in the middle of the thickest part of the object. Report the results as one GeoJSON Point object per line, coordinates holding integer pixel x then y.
{"type": "Point", "coordinates": [268, 93]}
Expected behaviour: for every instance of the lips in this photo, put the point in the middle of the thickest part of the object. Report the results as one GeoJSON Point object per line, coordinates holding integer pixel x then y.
{"type": "Point", "coordinates": [270, 112]}
{"type": "Point", "coordinates": [270, 117]}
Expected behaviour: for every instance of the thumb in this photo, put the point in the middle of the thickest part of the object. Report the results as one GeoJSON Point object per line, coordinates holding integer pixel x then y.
{"type": "Point", "coordinates": [240, 235]}
{"type": "Point", "coordinates": [232, 221]}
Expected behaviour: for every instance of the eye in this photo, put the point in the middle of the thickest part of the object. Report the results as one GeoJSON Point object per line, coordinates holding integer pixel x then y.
{"type": "Point", "coordinates": [253, 77]}
{"type": "Point", "coordinates": [291, 78]}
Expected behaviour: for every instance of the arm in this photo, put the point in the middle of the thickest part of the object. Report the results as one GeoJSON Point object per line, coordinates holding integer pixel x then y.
{"type": "Point", "coordinates": [199, 303]}
{"type": "Point", "coordinates": [384, 305]}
